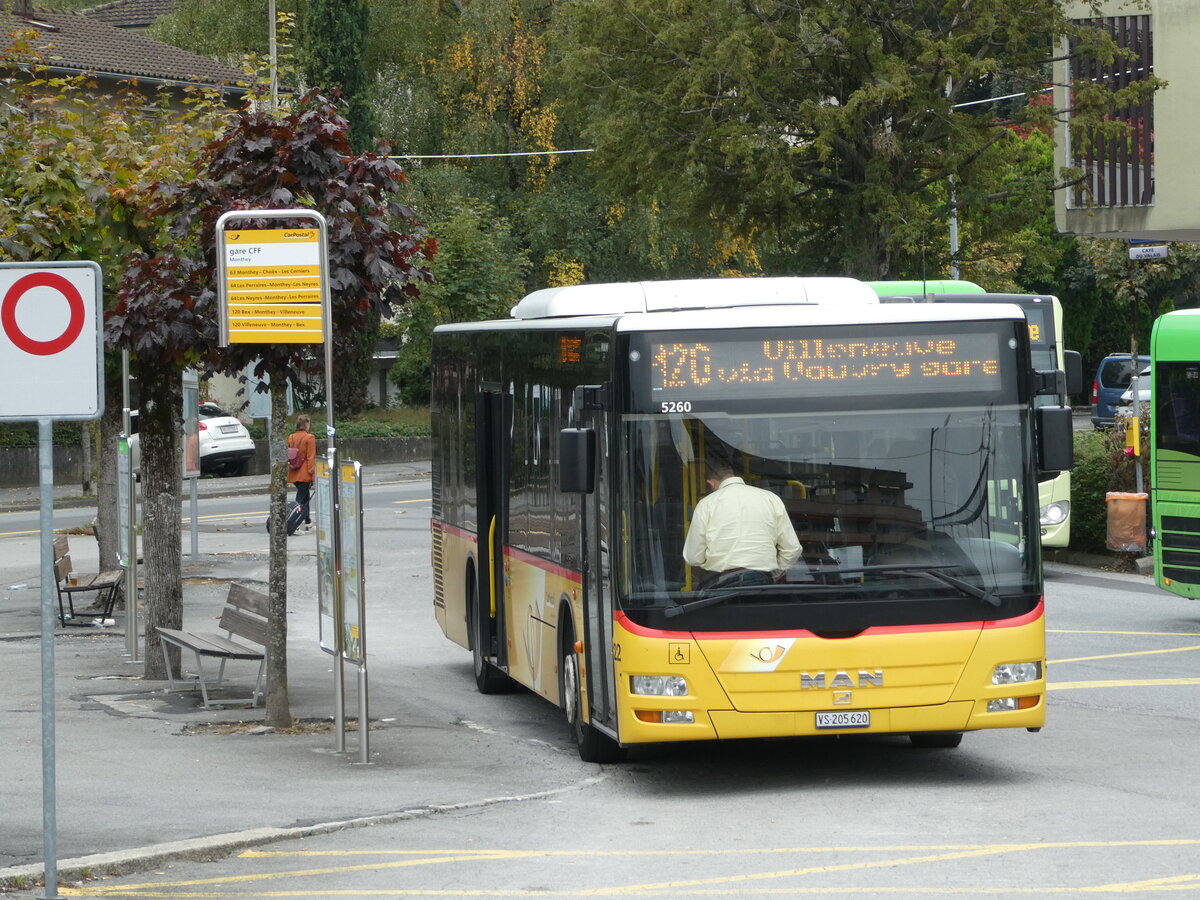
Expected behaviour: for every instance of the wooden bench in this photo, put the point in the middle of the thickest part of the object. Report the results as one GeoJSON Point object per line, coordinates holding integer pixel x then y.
{"type": "Point", "coordinates": [104, 585]}
{"type": "Point", "coordinates": [245, 617]}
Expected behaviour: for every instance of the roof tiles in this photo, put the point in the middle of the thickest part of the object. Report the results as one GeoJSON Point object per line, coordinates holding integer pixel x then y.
{"type": "Point", "coordinates": [73, 41]}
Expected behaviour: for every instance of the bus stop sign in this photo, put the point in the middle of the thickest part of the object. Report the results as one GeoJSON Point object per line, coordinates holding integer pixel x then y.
{"type": "Point", "coordinates": [50, 341]}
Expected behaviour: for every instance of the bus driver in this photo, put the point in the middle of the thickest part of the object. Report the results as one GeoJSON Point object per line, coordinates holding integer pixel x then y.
{"type": "Point", "coordinates": [740, 532]}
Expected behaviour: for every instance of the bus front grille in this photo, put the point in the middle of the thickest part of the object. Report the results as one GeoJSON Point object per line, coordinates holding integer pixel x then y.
{"type": "Point", "coordinates": [1183, 576]}
{"type": "Point", "coordinates": [1179, 548]}
{"type": "Point", "coordinates": [1186, 524]}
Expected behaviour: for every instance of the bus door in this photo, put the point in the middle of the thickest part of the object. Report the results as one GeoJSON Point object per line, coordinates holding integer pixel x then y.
{"type": "Point", "coordinates": [493, 439]}
{"type": "Point", "coordinates": [597, 585]}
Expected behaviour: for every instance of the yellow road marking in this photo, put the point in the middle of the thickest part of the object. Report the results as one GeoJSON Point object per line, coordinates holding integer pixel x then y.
{"type": "Point", "coordinates": [1118, 655]}
{"type": "Point", "coordinates": [1158, 886]}
{"type": "Point", "coordinates": [814, 870]}
{"type": "Point", "coordinates": [337, 870]}
{"type": "Point", "coordinates": [719, 885]}
{"type": "Point", "coordinates": [1138, 682]}
{"type": "Point", "coordinates": [1133, 633]}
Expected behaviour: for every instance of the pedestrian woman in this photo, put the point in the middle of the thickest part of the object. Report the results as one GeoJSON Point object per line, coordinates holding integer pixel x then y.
{"type": "Point", "coordinates": [302, 466]}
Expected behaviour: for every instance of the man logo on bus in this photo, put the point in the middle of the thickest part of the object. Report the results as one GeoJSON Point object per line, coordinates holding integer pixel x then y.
{"type": "Point", "coordinates": [818, 681]}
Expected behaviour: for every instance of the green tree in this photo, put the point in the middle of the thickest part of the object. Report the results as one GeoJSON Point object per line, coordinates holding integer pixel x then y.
{"type": "Point", "coordinates": [228, 30]}
{"type": "Point", "coordinates": [334, 46]}
{"type": "Point", "coordinates": [477, 274]}
{"type": "Point", "coordinates": [76, 169]}
{"type": "Point", "coordinates": [828, 126]}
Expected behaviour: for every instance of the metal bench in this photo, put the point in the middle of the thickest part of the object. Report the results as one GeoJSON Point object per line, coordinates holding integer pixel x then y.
{"type": "Point", "coordinates": [245, 617]}
{"type": "Point", "coordinates": [69, 584]}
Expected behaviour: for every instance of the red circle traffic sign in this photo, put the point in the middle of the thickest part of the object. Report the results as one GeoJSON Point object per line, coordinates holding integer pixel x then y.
{"type": "Point", "coordinates": [8, 313]}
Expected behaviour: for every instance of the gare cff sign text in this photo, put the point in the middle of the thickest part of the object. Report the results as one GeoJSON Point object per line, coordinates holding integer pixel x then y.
{"type": "Point", "coordinates": [272, 286]}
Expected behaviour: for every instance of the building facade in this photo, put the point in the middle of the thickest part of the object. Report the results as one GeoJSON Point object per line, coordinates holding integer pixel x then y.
{"type": "Point", "coordinates": [1140, 184]}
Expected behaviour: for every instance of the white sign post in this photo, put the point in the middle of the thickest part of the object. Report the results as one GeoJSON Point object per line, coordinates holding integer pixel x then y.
{"type": "Point", "coordinates": [50, 366]}
{"type": "Point", "coordinates": [50, 341]}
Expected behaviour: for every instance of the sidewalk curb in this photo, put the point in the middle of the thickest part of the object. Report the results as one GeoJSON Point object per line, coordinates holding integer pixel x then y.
{"type": "Point", "coordinates": [126, 862]}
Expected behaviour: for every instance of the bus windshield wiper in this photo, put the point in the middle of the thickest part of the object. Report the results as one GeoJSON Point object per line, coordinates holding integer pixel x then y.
{"type": "Point", "coordinates": [933, 572]}
{"type": "Point", "coordinates": [714, 595]}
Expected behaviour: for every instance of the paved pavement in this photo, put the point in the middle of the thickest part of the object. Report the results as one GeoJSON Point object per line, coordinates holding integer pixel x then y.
{"type": "Point", "coordinates": [141, 776]}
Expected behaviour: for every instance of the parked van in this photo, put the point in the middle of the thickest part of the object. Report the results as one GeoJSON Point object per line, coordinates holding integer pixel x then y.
{"type": "Point", "coordinates": [1112, 379]}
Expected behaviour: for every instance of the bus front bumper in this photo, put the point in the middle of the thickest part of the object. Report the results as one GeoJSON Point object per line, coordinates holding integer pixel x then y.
{"type": "Point", "coordinates": [728, 724]}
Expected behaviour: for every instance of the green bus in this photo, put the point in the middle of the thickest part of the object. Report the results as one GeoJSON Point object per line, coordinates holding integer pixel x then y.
{"type": "Point", "coordinates": [1175, 451]}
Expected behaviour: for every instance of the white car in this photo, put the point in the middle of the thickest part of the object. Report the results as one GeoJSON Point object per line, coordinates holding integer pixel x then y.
{"type": "Point", "coordinates": [1144, 391]}
{"type": "Point", "coordinates": [226, 447]}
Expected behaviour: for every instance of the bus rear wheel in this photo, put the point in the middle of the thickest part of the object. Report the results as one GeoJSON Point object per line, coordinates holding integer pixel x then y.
{"type": "Point", "coordinates": [593, 746]}
{"type": "Point", "coordinates": [936, 740]}
{"type": "Point", "coordinates": [488, 679]}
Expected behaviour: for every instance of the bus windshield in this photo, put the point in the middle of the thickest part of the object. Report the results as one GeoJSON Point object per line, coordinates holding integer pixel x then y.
{"type": "Point", "coordinates": [908, 507]}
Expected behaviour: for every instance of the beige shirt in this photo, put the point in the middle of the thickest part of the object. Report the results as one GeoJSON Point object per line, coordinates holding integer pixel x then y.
{"type": "Point", "coordinates": [739, 526]}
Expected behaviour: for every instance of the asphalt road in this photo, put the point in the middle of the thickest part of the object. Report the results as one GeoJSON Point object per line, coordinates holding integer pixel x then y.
{"type": "Point", "coordinates": [1104, 799]}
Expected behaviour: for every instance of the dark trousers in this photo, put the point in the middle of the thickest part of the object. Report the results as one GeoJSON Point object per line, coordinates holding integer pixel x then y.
{"type": "Point", "coordinates": [737, 578]}
{"type": "Point", "coordinates": [303, 496]}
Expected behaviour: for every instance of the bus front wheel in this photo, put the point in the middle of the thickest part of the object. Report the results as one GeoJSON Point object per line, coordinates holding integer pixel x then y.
{"type": "Point", "coordinates": [593, 745]}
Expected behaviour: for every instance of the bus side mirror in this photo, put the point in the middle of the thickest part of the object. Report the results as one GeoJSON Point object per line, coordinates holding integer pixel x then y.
{"type": "Point", "coordinates": [577, 460]}
{"type": "Point", "coordinates": [1055, 440]}
{"type": "Point", "coordinates": [1073, 365]}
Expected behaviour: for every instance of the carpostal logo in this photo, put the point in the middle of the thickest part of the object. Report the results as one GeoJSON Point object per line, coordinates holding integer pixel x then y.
{"type": "Point", "coordinates": [757, 655]}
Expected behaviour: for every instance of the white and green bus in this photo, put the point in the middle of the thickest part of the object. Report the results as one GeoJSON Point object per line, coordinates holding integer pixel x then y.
{"type": "Point", "coordinates": [1043, 312]}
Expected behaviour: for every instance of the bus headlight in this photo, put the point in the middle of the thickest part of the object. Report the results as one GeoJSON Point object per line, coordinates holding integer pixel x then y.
{"type": "Point", "coordinates": [1016, 673]}
{"type": "Point", "coordinates": [1055, 513]}
{"type": "Point", "coordinates": [658, 685]}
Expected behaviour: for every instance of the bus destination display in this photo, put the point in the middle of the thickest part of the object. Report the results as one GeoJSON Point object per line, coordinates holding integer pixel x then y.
{"type": "Point", "coordinates": [692, 370]}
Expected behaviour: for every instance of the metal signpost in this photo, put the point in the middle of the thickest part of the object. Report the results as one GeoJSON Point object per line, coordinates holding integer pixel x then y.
{"type": "Point", "coordinates": [191, 448]}
{"type": "Point", "coordinates": [274, 288]}
{"type": "Point", "coordinates": [52, 369]}
{"type": "Point", "coordinates": [127, 519]}
{"type": "Point", "coordinates": [1139, 251]}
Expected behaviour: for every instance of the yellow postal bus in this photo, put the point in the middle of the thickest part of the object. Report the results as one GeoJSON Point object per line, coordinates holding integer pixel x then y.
{"type": "Point", "coordinates": [569, 449]}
